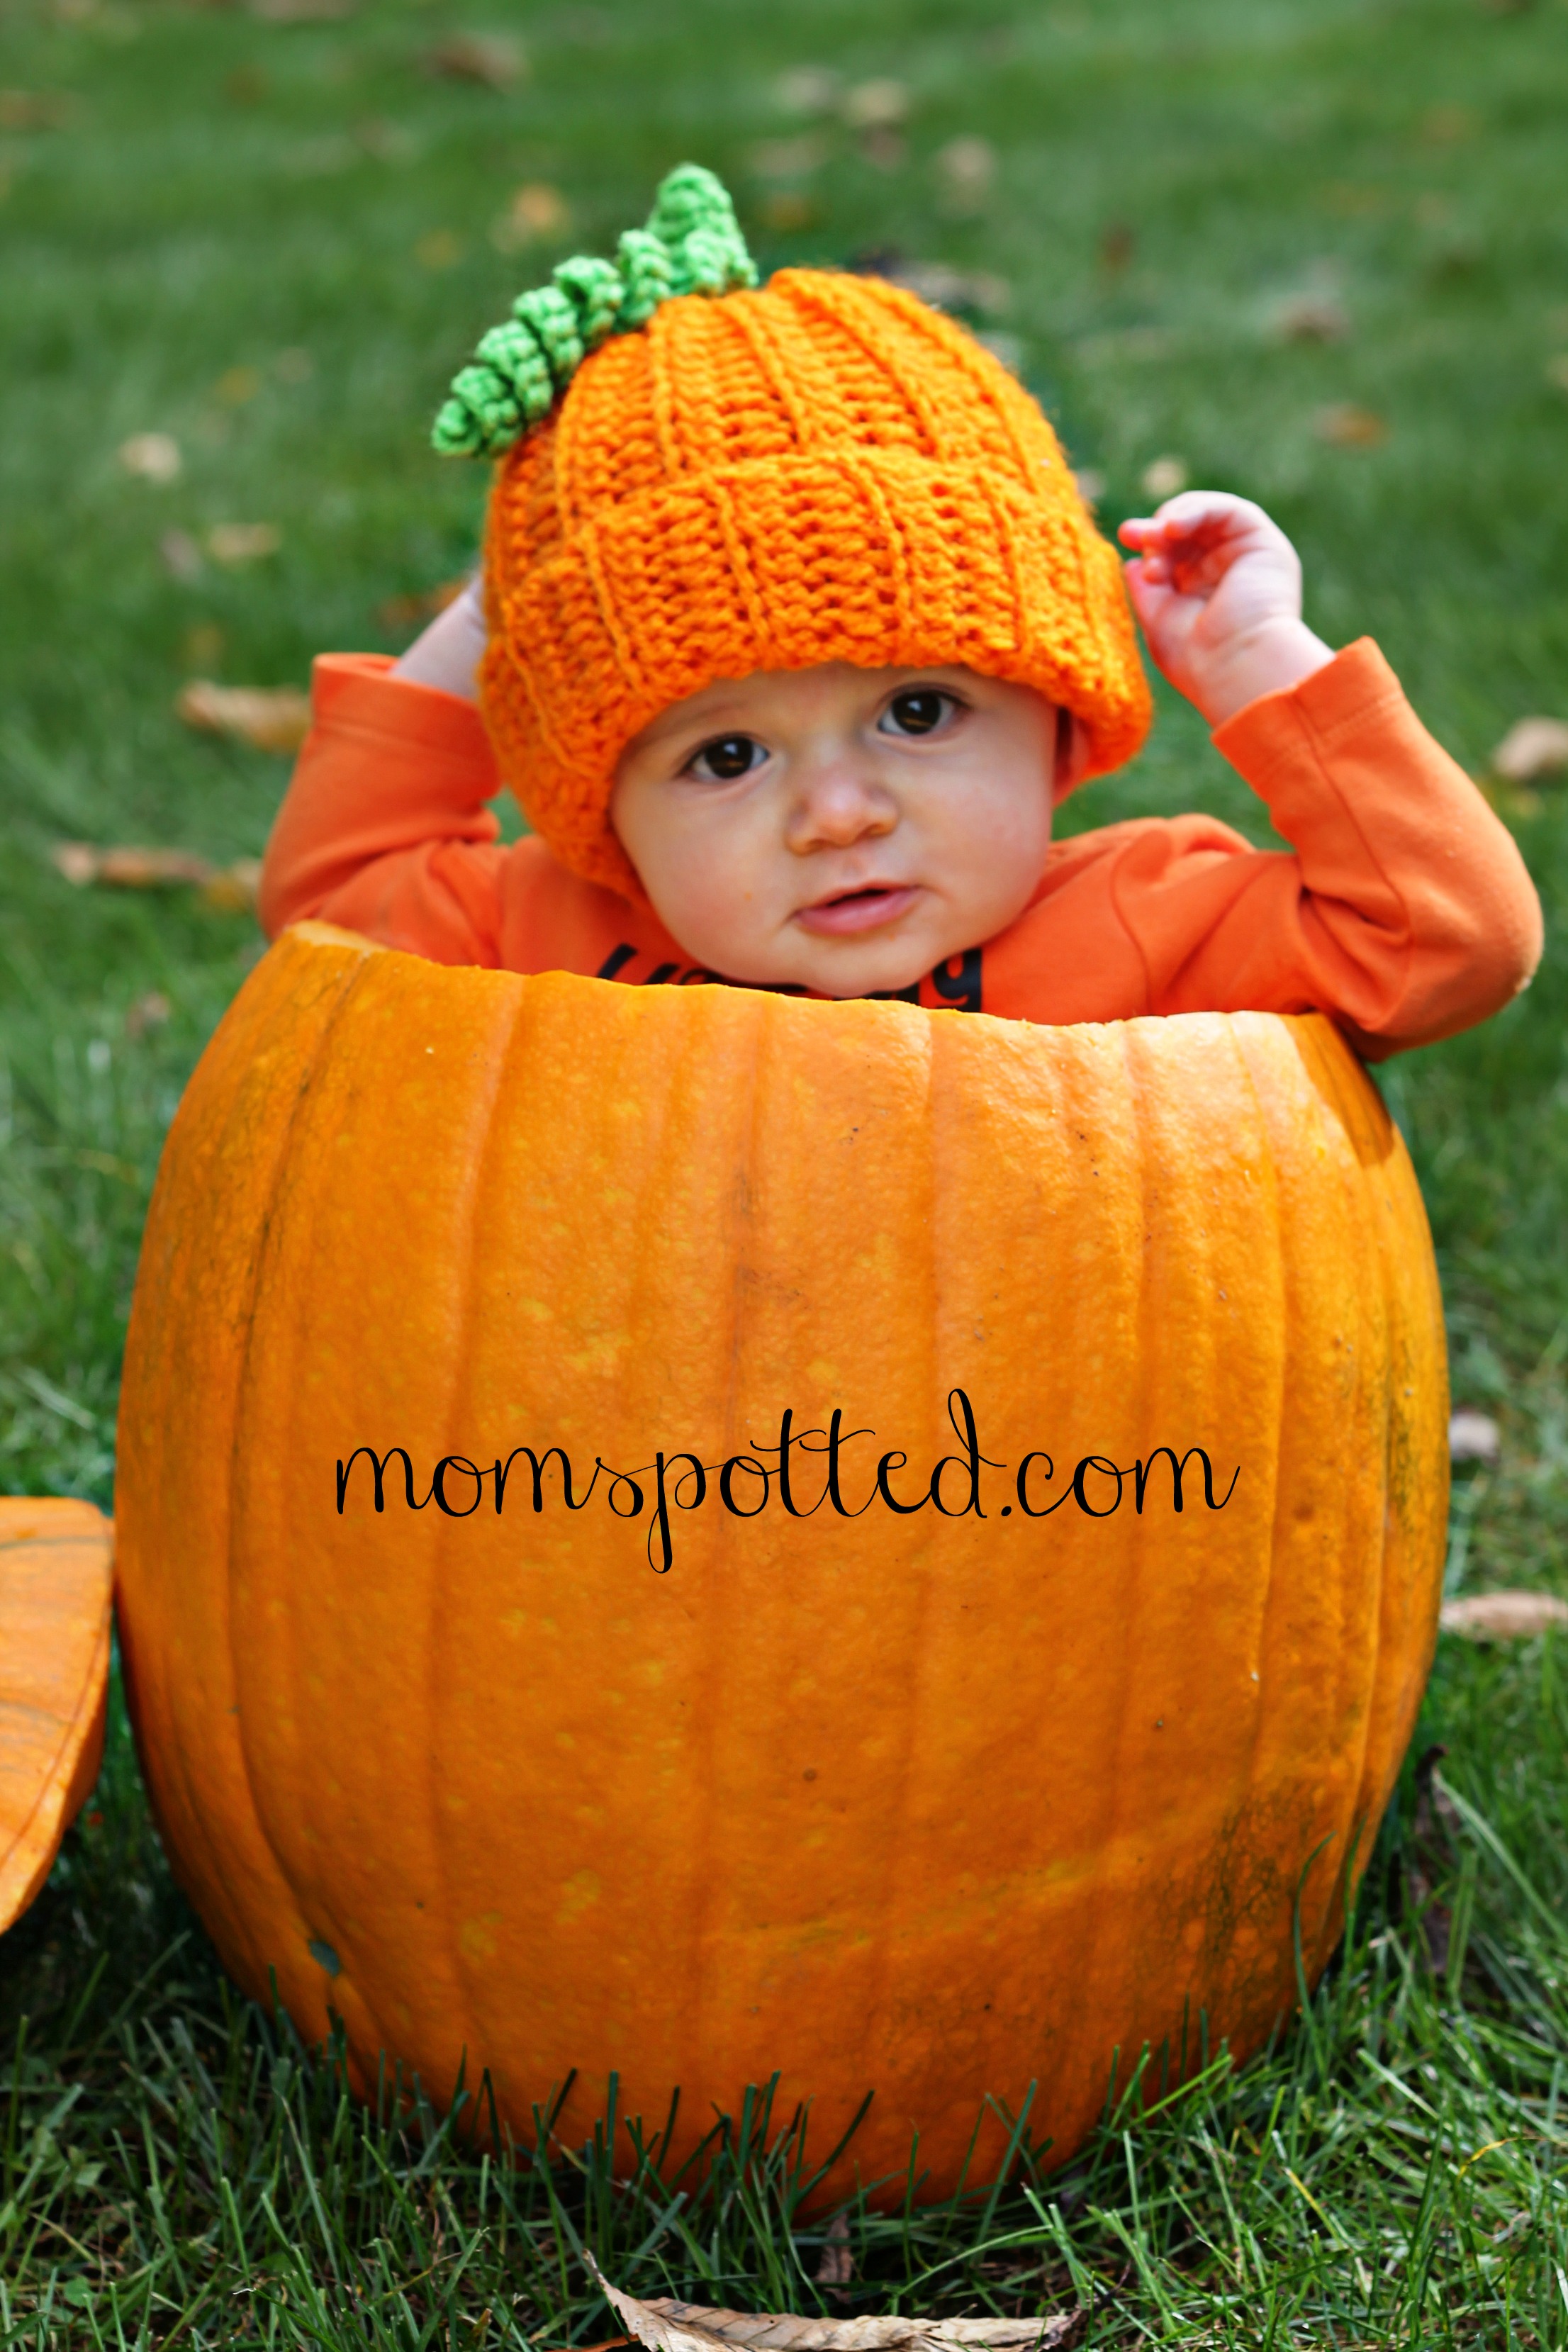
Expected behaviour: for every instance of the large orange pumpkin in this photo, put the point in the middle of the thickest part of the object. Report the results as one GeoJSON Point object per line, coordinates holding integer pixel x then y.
{"type": "Point", "coordinates": [782, 1747]}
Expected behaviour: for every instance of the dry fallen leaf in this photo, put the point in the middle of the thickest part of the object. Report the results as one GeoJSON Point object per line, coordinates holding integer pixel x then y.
{"type": "Point", "coordinates": [34, 109]}
{"type": "Point", "coordinates": [1473, 1437]}
{"type": "Point", "coordinates": [315, 159]}
{"type": "Point", "coordinates": [488, 57]}
{"type": "Point", "coordinates": [786, 209]}
{"type": "Point", "coordinates": [155, 457]}
{"type": "Point", "coordinates": [789, 159]}
{"type": "Point", "coordinates": [536, 210]}
{"type": "Point", "coordinates": [1515, 804]}
{"type": "Point", "coordinates": [232, 887]}
{"type": "Point", "coordinates": [878, 105]}
{"type": "Point", "coordinates": [966, 171]}
{"type": "Point", "coordinates": [202, 646]}
{"type": "Point", "coordinates": [836, 2267]}
{"type": "Point", "coordinates": [1442, 126]}
{"type": "Point", "coordinates": [1354, 203]}
{"type": "Point", "coordinates": [669, 2326]}
{"type": "Point", "coordinates": [807, 89]}
{"type": "Point", "coordinates": [236, 385]}
{"type": "Point", "coordinates": [181, 555]}
{"type": "Point", "coordinates": [441, 249]}
{"type": "Point", "coordinates": [1312, 318]}
{"type": "Point", "coordinates": [884, 148]}
{"type": "Point", "coordinates": [243, 542]}
{"type": "Point", "coordinates": [273, 718]}
{"type": "Point", "coordinates": [1164, 477]}
{"type": "Point", "coordinates": [77, 860]}
{"type": "Point", "coordinates": [1347, 425]}
{"type": "Point", "coordinates": [130, 869]}
{"type": "Point", "coordinates": [1504, 1616]}
{"type": "Point", "coordinates": [1531, 748]}
{"type": "Point", "coordinates": [149, 1012]}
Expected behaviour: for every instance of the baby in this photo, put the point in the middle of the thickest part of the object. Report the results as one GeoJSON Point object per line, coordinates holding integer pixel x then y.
{"type": "Point", "coordinates": [794, 630]}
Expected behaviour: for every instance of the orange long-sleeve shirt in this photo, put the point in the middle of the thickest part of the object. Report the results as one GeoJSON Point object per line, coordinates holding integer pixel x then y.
{"type": "Point", "coordinates": [1403, 909]}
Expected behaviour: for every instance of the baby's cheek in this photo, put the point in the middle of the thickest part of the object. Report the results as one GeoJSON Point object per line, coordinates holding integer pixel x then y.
{"type": "Point", "coordinates": [991, 844]}
{"type": "Point", "coordinates": [709, 889]}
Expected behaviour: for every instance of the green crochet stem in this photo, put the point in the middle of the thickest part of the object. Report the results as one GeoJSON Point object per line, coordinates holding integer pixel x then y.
{"type": "Point", "coordinates": [692, 244]}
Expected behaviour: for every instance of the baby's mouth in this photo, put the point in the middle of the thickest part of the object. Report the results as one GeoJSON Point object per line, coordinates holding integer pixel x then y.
{"type": "Point", "coordinates": [865, 909]}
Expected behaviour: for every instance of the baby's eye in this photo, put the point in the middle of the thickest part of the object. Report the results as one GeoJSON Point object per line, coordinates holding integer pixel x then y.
{"type": "Point", "coordinates": [920, 711]}
{"type": "Point", "coordinates": [727, 757]}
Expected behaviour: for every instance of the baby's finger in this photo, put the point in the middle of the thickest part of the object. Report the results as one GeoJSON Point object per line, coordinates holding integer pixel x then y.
{"type": "Point", "coordinates": [1193, 520]}
{"type": "Point", "coordinates": [1150, 590]}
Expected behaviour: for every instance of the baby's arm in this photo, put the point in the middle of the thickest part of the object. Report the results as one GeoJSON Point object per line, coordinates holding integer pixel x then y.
{"type": "Point", "coordinates": [384, 826]}
{"type": "Point", "coordinates": [1406, 911]}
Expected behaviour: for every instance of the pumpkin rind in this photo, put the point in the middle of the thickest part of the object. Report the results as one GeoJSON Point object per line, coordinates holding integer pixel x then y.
{"type": "Point", "coordinates": [932, 1807]}
{"type": "Point", "coordinates": [56, 1558]}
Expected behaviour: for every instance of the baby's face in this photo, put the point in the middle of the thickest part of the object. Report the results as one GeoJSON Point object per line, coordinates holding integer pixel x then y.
{"type": "Point", "coordinates": [843, 829]}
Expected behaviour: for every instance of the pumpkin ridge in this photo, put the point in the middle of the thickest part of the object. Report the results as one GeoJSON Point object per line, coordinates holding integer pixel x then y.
{"type": "Point", "coordinates": [1405, 1318]}
{"type": "Point", "coordinates": [1349, 1106]}
{"type": "Point", "coordinates": [1338, 1112]}
{"type": "Point", "coordinates": [243, 1023]}
{"type": "Point", "coordinates": [436, 1659]}
{"type": "Point", "coordinates": [905, 1839]}
{"type": "Point", "coordinates": [1258, 1796]}
{"type": "Point", "coordinates": [762, 1015]}
{"type": "Point", "coordinates": [1112, 1106]}
{"type": "Point", "coordinates": [255, 1265]}
{"type": "Point", "coordinates": [1313, 1895]}
{"type": "Point", "coordinates": [1279, 1289]}
{"type": "Point", "coordinates": [770, 1024]}
{"type": "Point", "coordinates": [1351, 1109]}
{"type": "Point", "coordinates": [1121, 1782]}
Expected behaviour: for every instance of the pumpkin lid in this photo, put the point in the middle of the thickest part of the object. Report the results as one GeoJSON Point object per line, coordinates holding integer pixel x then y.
{"type": "Point", "coordinates": [57, 1559]}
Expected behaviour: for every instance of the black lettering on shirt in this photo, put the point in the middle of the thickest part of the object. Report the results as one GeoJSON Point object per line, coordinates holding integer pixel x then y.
{"type": "Point", "coordinates": [960, 988]}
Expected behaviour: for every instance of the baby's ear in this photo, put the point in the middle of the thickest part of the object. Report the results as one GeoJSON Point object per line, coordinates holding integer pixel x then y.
{"type": "Point", "coordinates": [1072, 753]}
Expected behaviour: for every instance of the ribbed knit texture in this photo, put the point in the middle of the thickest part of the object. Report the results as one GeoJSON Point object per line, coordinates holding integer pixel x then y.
{"type": "Point", "coordinates": [823, 470]}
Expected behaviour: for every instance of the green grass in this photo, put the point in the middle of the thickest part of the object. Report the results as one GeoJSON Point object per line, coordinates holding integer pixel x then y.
{"type": "Point", "coordinates": [223, 193]}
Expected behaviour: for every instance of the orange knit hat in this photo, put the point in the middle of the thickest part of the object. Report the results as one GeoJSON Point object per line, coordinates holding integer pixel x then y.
{"type": "Point", "coordinates": [822, 470]}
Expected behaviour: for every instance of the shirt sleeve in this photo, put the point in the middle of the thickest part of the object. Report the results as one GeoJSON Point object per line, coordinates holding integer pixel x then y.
{"type": "Point", "coordinates": [1405, 912]}
{"type": "Point", "coordinates": [384, 828]}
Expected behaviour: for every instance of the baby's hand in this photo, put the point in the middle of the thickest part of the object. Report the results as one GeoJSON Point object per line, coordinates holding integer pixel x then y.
{"type": "Point", "coordinates": [448, 654]}
{"type": "Point", "coordinates": [1217, 587]}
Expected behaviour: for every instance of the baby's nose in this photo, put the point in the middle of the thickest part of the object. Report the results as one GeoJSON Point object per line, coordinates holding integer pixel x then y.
{"type": "Point", "coordinates": [838, 806]}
